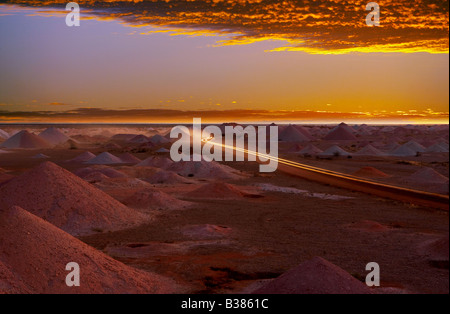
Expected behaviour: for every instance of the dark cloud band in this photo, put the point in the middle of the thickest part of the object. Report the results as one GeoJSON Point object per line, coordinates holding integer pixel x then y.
{"type": "Point", "coordinates": [169, 116]}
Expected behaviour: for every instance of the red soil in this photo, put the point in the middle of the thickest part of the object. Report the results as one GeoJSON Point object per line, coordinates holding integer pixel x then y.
{"type": "Point", "coordinates": [48, 251]}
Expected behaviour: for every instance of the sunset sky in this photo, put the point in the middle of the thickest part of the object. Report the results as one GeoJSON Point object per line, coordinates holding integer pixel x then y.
{"type": "Point", "coordinates": [241, 60]}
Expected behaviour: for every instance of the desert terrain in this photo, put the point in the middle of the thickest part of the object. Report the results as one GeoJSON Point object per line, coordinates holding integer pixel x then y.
{"type": "Point", "coordinates": [111, 198]}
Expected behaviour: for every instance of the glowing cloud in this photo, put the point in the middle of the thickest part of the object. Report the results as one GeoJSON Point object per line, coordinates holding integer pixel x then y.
{"type": "Point", "coordinates": [316, 27]}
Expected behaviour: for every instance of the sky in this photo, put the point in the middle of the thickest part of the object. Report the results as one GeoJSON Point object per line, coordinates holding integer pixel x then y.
{"type": "Point", "coordinates": [233, 60]}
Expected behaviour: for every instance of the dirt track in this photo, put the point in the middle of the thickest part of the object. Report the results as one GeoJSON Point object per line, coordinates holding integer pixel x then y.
{"type": "Point", "coordinates": [357, 184]}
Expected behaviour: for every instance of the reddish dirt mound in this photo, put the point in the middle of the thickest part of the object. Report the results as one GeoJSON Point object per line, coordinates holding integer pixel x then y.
{"type": "Point", "coordinates": [292, 134]}
{"type": "Point", "coordinates": [156, 161]}
{"type": "Point", "coordinates": [138, 172]}
{"type": "Point", "coordinates": [67, 201]}
{"type": "Point", "coordinates": [129, 158]}
{"type": "Point", "coordinates": [316, 276]}
{"type": "Point", "coordinates": [370, 172]}
{"type": "Point", "coordinates": [158, 139]}
{"type": "Point", "coordinates": [139, 139]}
{"type": "Point", "coordinates": [217, 190]}
{"type": "Point", "coordinates": [369, 226]}
{"type": "Point", "coordinates": [109, 172]}
{"type": "Point", "coordinates": [341, 133]}
{"type": "Point", "coordinates": [25, 139]}
{"type": "Point", "coordinates": [436, 250]}
{"type": "Point", "coordinates": [86, 156]}
{"type": "Point", "coordinates": [123, 137]}
{"type": "Point", "coordinates": [35, 254]}
{"type": "Point", "coordinates": [69, 144]}
{"type": "Point", "coordinates": [152, 199]}
{"type": "Point", "coordinates": [203, 169]}
{"type": "Point", "coordinates": [95, 176]}
{"type": "Point", "coordinates": [112, 146]}
{"type": "Point", "coordinates": [121, 188]}
{"type": "Point", "coordinates": [122, 183]}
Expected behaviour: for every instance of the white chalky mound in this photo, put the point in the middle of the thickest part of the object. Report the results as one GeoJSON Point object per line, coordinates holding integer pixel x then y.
{"type": "Point", "coordinates": [3, 134]}
{"type": "Point", "coordinates": [105, 159]}
{"type": "Point", "coordinates": [437, 148]}
{"type": "Point", "coordinates": [426, 174]}
{"type": "Point", "coordinates": [159, 139]}
{"type": "Point", "coordinates": [139, 139]}
{"type": "Point", "coordinates": [402, 151]}
{"type": "Point", "coordinates": [414, 146]}
{"type": "Point", "coordinates": [310, 150]}
{"type": "Point", "coordinates": [369, 150]}
{"type": "Point", "coordinates": [334, 151]}
{"type": "Point", "coordinates": [107, 171]}
{"type": "Point", "coordinates": [54, 136]}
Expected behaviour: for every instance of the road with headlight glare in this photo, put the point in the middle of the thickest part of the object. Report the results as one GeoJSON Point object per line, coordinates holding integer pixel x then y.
{"type": "Point", "coordinates": [353, 183]}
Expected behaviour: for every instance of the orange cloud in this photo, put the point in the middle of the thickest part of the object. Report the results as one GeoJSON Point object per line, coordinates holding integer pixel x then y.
{"type": "Point", "coordinates": [327, 26]}
{"type": "Point", "coordinates": [57, 104]}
